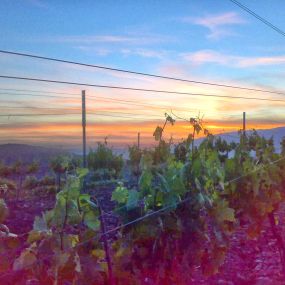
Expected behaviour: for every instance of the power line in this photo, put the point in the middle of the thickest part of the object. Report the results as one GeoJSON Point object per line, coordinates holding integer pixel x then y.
{"type": "Point", "coordinates": [140, 73]}
{"type": "Point", "coordinates": [26, 107]}
{"type": "Point", "coordinates": [121, 115]}
{"type": "Point", "coordinates": [33, 107]}
{"type": "Point", "coordinates": [132, 114]}
{"type": "Point", "coordinates": [270, 25]}
{"type": "Point", "coordinates": [140, 89]}
{"type": "Point", "coordinates": [36, 115]}
{"type": "Point", "coordinates": [76, 109]}
{"type": "Point", "coordinates": [127, 102]}
{"type": "Point", "coordinates": [107, 99]}
{"type": "Point", "coordinates": [38, 95]}
{"type": "Point", "coordinates": [55, 109]}
{"type": "Point", "coordinates": [137, 103]}
{"type": "Point", "coordinates": [38, 91]}
{"type": "Point", "coordinates": [102, 98]}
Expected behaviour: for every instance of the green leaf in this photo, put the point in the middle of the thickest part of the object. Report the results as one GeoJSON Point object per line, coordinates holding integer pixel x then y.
{"type": "Point", "coordinates": [85, 202]}
{"type": "Point", "coordinates": [73, 215]}
{"type": "Point", "coordinates": [164, 186]}
{"type": "Point", "coordinates": [223, 212]}
{"type": "Point", "coordinates": [171, 200]}
{"type": "Point", "coordinates": [132, 199]}
{"type": "Point", "coordinates": [145, 182]}
{"type": "Point", "coordinates": [72, 188]}
{"type": "Point", "coordinates": [98, 253]}
{"type": "Point", "coordinates": [59, 211]}
{"type": "Point", "coordinates": [91, 221]}
{"type": "Point", "coordinates": [120, 194]}
{"type": "Point", "coordinates": [82, 172]}
{"type": "Point", "coordinates": [177, 185]}
{"type": "Point", "coordinates": [146, 162]}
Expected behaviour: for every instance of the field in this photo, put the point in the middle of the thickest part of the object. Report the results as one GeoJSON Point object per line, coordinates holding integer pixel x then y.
{"type": "Point", "coordinates": [181, 213]}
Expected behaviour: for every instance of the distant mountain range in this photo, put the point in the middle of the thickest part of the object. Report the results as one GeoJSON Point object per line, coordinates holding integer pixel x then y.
{"type": "Point", "coordinates": [27, 153]}
{"type": "Point", "coordinates": [276, 133]}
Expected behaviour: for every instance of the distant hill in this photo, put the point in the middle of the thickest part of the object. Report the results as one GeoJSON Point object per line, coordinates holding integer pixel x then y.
{"type": "Point", "coordinates": [27, 153]}
{"type": "Point", "coordinates": [276, 133]}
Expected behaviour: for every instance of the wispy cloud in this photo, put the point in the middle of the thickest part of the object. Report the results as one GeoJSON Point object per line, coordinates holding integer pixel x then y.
{"type": "Point", "coordinates": [109, 39]}
{"type": "Point", "coordinates": [210, 56]}
{"type": "Point", "coordinates": [217, 24]}
{"type": "Point", "coordinates": [126, 51]}
{"type": "Point", "coordinates": [147, 53]}
{"type": "Point", "coordinates": [94, 50]}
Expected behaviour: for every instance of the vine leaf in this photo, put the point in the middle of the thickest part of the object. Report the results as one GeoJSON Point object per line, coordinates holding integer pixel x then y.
{"type": "Point", "coordinates": [120, 194]}
{"type": "Point", "coordinates": [164, 186]}
{"type": "Point", "coordinates": [98, 253]}
{"type": "Point", "coordinates": [158, 133]}
{"type": "Point", "coordinates": [224, 213]}
{"type": "Point", "coordinates": [26, 260]}
{"type": "Point", "coordinates": [132, 199]}
{"type": "Point", "coordinates": [91, 221]}
{"type": "Point", "coordinates": [73, 214]}
{"type": "Point", "coordinates": [82, 172]}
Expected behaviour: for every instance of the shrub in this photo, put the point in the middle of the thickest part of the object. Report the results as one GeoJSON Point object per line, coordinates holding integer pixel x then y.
{"type": "Point", "coordinates": [7, 187]}
{"type": "Point", "coordinates": [104, 158]}
{"type": "Point", "coordinates": [30, 182]}
{"type": "Point", "coordinates": [135, 155]}
{"type": "Point", "coordinates": [47, 181]}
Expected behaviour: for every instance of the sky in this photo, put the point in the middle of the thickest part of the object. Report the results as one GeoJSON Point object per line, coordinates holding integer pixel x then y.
{"type": "Point", "coordinates": [205, 40]}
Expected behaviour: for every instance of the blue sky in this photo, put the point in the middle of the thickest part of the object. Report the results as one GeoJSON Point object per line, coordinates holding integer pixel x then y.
{"type": "Point", "coordinates": [201, 40]}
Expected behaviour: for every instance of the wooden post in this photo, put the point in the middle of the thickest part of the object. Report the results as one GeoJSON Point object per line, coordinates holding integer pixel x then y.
{"type": "Point", "coordinates": [243, 127]}
{"type": "Point", "coordinates": [139, 140]}
{"type": "Point", "coordinates": [106, 246]}
{"type": "Point", "coordinates": [84, 128]}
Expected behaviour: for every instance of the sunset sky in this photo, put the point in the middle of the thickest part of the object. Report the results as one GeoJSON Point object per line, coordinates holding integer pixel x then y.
{"type": "Point", "coordinates": [205, 40]}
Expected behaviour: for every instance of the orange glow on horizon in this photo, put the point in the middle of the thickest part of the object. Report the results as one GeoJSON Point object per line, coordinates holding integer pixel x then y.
{"type": "Point", "coordinates": [118, 133]}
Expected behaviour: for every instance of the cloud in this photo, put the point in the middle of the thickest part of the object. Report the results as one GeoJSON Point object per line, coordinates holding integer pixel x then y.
{"type": "Point", "coordinates": [258, 61]}
{"type": "Point", "coordinates": [206, 56]}
{"type": "Point", "coordinates": [147, 53]}
{"type": "Point", "coordinates": [90, 49]}
{"type": "Point", "coordinates": [210, 56]}
{"type": "Point", "coordinates": [109, 39]}
{"type": "Point", "coordinates": [217, 24]}
{"type": "Point", "coordinates": [142, 52]}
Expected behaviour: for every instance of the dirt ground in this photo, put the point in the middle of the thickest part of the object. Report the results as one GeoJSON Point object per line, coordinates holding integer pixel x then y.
{"type": "Point", "coordinates": [248, 261]}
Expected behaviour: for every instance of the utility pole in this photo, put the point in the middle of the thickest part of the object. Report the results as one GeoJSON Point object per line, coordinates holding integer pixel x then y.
{"type": "Point", "coordinates": [84, 128]}
{"type": "Point", "coordinates": [243, 125]}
